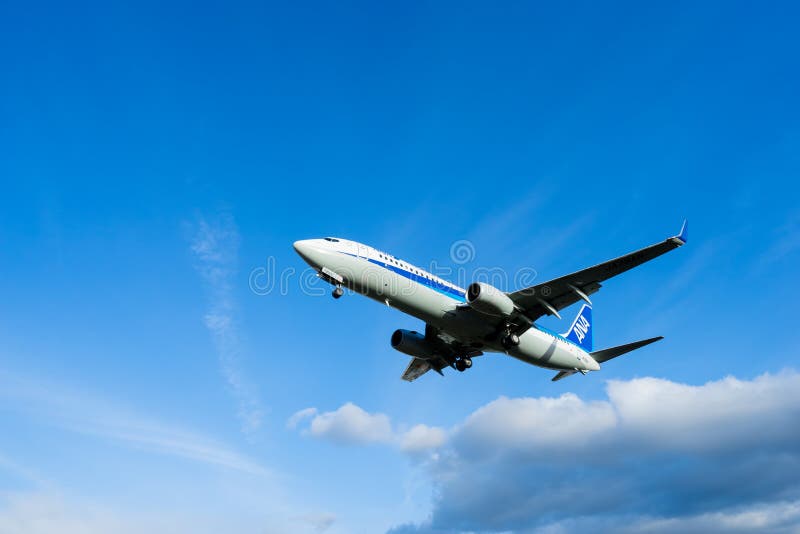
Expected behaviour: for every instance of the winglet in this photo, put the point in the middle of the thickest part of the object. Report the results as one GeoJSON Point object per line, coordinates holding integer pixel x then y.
{"type": "Point", "coordinates": [683, 236]}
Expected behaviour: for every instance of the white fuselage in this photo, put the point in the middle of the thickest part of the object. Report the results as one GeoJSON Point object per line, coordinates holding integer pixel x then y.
{"type": "Point", "coordinates": [427, 297]}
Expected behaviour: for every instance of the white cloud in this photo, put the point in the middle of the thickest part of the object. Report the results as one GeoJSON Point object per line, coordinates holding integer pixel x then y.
{"type": "Point", "coordinates": [299, 416]}
{"type": "Point", "coordinates": [526, 423]}
{"type": "Point", "coordinates": [422, 438]}
{"type": "Point", "coordinates": [718, 414]}
{"type": "Point", "coordinates": [351, 424]}
{"type": "Point", "coordinates": [216, 246]}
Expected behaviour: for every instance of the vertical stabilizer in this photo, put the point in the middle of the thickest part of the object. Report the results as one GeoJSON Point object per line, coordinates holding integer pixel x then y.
{"type": "Point", "coordinates": [580, 332]}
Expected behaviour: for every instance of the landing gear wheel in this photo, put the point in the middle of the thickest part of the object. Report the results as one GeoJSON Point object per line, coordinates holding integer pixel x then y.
{"type": "Point", "coordinates": [467, 362]}
{"type": "Point", "coordinates": [510, 341]}
{"type": "Point", "coordinates": [338, 292]}
{"type": "Point", "coordinates": [460, 365]}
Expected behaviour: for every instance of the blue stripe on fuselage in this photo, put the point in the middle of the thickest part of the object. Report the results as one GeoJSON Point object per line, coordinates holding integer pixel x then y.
{"type": "Point", "coordinates": [557, 336]}
{"type": "Point", "coordinates": [455, 294]}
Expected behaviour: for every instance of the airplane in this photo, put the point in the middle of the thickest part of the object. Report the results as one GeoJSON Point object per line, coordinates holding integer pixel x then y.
{"type": "Point", "coordinates": [461, 324]}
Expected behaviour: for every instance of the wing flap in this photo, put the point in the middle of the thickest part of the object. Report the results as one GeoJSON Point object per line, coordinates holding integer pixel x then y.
{"type": "Point", "coordinates": [416, 369]}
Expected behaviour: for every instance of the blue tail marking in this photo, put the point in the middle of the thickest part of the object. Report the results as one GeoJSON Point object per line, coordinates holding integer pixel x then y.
{"type": "Point", "coordinates": [580, 332]}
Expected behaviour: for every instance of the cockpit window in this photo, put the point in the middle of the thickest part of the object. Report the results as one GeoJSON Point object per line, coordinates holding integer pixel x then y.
{"type": "Point", "coordinates": [332, 239]}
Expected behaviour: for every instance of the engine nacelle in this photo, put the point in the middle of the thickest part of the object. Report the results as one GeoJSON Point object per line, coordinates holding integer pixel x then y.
{"type": "Point", "coordinates": [412, 343]}
{"type": "Point", "coordinates": [490, 300]}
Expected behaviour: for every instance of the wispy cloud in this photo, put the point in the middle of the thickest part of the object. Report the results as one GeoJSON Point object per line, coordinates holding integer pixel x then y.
{"type": "Point", "coordinates": [784, 241]}
{"type": "Point", "coordinates": [56, 511]}
{"type": "Point", "coordinates": [319, 521]}
{"type": "Point", "coordinates": [52, 511]}
{"type": "Point", "coordinates": [215, 245]}
{"type": "Point", "coordinates": [21, 472]}
{"type": "Point", "coordinates": [48, 512]}
{"type": "Point", "coordinates": [80, 413]}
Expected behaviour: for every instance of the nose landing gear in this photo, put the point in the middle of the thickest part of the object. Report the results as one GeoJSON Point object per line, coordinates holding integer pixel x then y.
{"type": "Point", "coordinates": [333, 278]}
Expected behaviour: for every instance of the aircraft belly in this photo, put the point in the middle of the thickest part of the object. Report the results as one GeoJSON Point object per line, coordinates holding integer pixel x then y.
{"type": "Point", "coordinates": [429, 305]}
{"type": "Point", "coordinates": [543, 350]}
{"type": "Point", "coordinates": [422, 303]}
{"type": "Point", "coordinates": [397, 291]}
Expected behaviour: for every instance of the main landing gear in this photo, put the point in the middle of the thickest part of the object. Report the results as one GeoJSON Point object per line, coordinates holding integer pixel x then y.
{"type": "Point", "coordinates": [337, 292]}
{"type": "Point", "coordinates": [510, 341]}
{"type": "Point", "coordinates": [462, 364]}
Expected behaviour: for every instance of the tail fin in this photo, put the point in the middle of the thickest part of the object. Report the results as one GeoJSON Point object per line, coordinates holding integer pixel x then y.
{"type": "Point", "coordinates": [580, 332]}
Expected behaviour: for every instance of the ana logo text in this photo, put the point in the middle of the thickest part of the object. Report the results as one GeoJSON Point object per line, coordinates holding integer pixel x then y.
{"type": "Point", "coordinates": [581, 327]}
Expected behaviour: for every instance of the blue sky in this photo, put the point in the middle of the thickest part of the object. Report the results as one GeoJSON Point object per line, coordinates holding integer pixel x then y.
{"type": "Point", "coordinates": [156, 159]}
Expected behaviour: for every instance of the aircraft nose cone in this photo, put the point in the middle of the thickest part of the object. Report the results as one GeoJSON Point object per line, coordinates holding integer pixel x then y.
{"type": "Point", "coordinates": [305, 249]}
{"type": "Point", "coordinates": [299, 246]}
{"type": "Point", "coordinates": [302, 247]}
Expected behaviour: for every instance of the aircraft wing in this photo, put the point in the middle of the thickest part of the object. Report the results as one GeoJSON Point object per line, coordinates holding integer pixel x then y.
{"type": "Point", "coordinates": [550, 297]}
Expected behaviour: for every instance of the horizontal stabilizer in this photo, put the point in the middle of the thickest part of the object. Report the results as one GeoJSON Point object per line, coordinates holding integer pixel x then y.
{"type": "Point", "coordinates": [604, 355]}
{"type": "Point", "coordinates": [563, 374]}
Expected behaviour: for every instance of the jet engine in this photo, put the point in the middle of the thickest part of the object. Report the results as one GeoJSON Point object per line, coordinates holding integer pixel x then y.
{"type": "Point", "coordinates": [412, 343]}
{"type": "Point", "coordinates": [488, 299]}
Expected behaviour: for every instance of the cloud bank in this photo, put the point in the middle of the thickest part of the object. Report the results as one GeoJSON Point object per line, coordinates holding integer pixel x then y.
{"type": "Point", "coordinates": [654, 456]}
